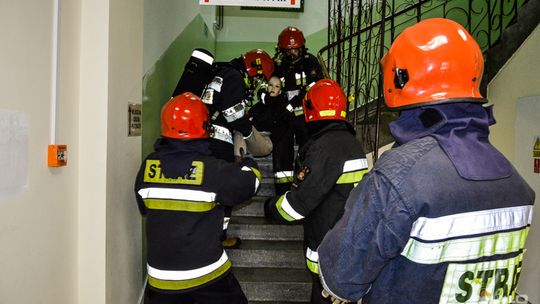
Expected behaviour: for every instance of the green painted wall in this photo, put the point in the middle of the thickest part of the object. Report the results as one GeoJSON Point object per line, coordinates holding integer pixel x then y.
{"type": "Point", "coordinates": [160, 81]}
{"type": "Point", "coordinates": [226, 51]}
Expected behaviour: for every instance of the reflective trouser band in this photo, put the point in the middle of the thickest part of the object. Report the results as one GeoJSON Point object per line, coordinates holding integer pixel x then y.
{"type": "Point", "coordinates": [351, 177]}
{"type": "Point", "coordinates": [189, 283]}
{"type": "Point", "coordinates": [312, 266]}
{"type": "Point", "coordinates": [283, 180]}
{"type": "Point", "coordinates": [282, 177]}
{"type": "Point", "coordinates": [464, 249]}
{"type": "Point", "coordinates": [286, 210]}
{"type": "Point", "coordinates": [258, 176]}
{"type": "Point", "coordinates": [312, 260]}
{"type": "Point", "coordinates": [179, 205]}
{"type": "Point", "coordinates": [255, 171]}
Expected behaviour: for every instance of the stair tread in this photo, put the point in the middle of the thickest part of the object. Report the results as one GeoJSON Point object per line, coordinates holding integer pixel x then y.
{"type": "Point", "coordinates": [270, 245]}
{"type": "Point", "coordinates": [256, 220]}
{"type": "Point", "coordinates": [254, 200]}
{"type": "Point", "coordinates": [272, 275]}
{"type": "Point", "coordinates": [278, 302]}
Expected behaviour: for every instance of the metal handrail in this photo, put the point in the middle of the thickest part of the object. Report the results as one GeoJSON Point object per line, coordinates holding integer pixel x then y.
{"type": "Point", "coordinates": [359, 32]}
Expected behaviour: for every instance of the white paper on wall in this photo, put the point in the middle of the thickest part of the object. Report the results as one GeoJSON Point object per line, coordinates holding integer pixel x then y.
{"type": "Point", "coordinates": [13, 152]}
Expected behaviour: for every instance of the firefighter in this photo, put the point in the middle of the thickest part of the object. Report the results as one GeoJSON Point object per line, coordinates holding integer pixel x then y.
{"type": "Point", "coordinates": [332, 163]}
{"type": "Point", "coordinates": [297, 69]}
{"type": "Point", "coordinates": [227, 96]}
{"type": "Point", "coordinates": [443, 217]}
{"type": "Point", "coordinates": [182, 189]}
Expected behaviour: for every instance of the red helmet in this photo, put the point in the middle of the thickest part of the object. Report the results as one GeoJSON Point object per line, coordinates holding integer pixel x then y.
{"type": "Point", "coordinates": [325, 100]}
{"type": "Point", "coordinates": [258, 62]}
{"type": "Point", "coordinates": [434, 61]}
{"type": "Point", "coordinates": [291, 38]}
{"type": "Point", "coordinates": [184, 116]}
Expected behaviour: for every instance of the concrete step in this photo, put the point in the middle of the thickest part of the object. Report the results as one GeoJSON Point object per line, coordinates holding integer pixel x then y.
{"type": "Point", "coordinates": [266, 168]}
{"type": "Point", "coordinates": [267, 187]}
{"type": "Point", "coordinates": [254, 207]}
{"type": "Point", "coordinates": [258, 228]}
{"type": "Point", "coordinates": [276, 302]}
{"type": "Point", "coordinates": [275, 285]}
{"type": "Point", "coordinates": [264, 159]}
{"type": "Point", "coordinates": [268, 254]}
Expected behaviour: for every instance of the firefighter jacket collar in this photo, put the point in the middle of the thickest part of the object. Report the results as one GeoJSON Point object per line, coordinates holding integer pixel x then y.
{"type": "Point", "coordinates": [462, 130]}
{"type": "Point", "coordinates": [177, 155]}
{"type": "Point", "coordinates": [317, 128]}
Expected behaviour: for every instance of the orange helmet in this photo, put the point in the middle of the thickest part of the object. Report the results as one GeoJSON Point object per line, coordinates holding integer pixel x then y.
{"type": "Point", "coordinates": [258, 62]}
{"type": "Point", "coordinates": [291, 38]}
{"type": "Point", "coordinates": [432, 62]}
{"type": "Point", "coordinates": [325, 100]}
{"type": "Point", "coordinates": [185, 116]}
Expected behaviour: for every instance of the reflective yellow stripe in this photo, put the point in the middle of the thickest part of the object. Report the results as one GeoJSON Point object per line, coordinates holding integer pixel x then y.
{"type": "Point", "coordinates": [465, 249]}
{"type": "Point", "coordinates": [257, 173]}
{"type": "Point", "coordinates": [284, 180]}
{"type": "Point", "coordinates": [154, 174]}
{"type": "Point", "coordinates": [282, 212]}
{"type": "Point", "coordinates": [179, 205]}
{"type": "Point", "coordinates": [312, 266]}
{"type": "Point", "coordinates": [351, 177]}
{"type": "Point", "coordinates": [312, 260]}
{"type": "Point", "coordinates": [299, 112]}
{"type": "Point", "coordinates": [327, 113]}
{"type": "Point", "coordinates": [185, 284]}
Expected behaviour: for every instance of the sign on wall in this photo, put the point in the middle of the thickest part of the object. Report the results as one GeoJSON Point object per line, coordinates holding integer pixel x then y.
{"type": "Point", "coordinates": [255, 3]}
{"type": "Point", "coordinates": [536, 155]}
{"type": "Point", "coordinates": [134, 119]}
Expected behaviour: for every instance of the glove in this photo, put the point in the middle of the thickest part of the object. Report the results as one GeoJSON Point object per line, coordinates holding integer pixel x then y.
{"type": "Point", "coordinates": [327, 295]}
{"type": "Point", "coordinates": [239, 146]}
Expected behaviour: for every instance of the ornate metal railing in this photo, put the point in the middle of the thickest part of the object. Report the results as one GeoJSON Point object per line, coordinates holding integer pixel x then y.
{"type": "Point", "coordinates": [360, 32]}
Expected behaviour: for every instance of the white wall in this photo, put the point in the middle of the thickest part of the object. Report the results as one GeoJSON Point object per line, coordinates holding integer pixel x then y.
{"type": "Point", "coordinates": [92, 156]}
{"type": "Point", "coordinates": [527, 130]}
{"type": "Point", "coordinates": [38, 222]}
{"type": "Point", "coordinates": [519, 78]}
{"type": "Point", "coordinates": [70, 234]}
{"type": "Point", "coordinates": [124, 232]}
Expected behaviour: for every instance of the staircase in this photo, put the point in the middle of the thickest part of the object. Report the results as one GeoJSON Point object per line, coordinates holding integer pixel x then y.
{"type": "Point", "coordinates": [270, 263]}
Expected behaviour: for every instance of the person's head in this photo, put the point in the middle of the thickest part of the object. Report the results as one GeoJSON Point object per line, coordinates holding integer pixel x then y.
{"type": "Point", "coordinates": [291, 42]}
{"type": "Point", "coordinates": [185, 117]}
{"type": "Point", "coordinates": [325, 100]}
{"type": "Point", "coordinates": [274, 86]}
{"type": "Point", "coordinates": [258, 65]}
{"type": "Point", "coordinates": [432, 62]}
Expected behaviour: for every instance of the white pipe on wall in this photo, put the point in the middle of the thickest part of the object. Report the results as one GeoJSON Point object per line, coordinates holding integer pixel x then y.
{"type": "Point", "coordinates": [54, 70]}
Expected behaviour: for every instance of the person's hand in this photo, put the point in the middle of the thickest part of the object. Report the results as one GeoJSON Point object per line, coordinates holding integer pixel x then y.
{"type": "Point", "coordinates": [327, 295]}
